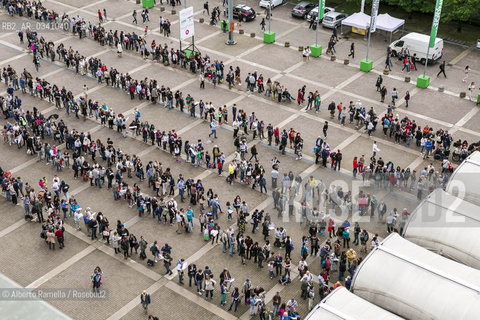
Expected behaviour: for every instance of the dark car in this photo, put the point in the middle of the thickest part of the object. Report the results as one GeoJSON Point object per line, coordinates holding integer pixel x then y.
{"type": "Point", "coordinates": [244, 11]}
{"type": "Point", "coordinates": [302, 9]}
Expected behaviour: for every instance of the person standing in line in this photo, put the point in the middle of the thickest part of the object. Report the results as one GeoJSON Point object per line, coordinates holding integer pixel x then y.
{"type": "Point", "coordinates": [352, 51]}
{"type": "Point", "coordinates": [442, 69]}
{"type": "Point", "coordinates": [145, 300]}
{"type": "Point", "coordinates": [375, 149]}
{"type": "Point", "coordinates": [209, 285]}
{"type": "Point", "coordinates": [338, 160]}
{"type": "Point", "coordinates": [179, 269]}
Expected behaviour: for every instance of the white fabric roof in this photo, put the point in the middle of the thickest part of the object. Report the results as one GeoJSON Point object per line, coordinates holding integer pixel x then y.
{"type": "Point", "coordinates": [358, 20]}
{"type": "Point", "coordinates": [341, 304]}
{"type": "Point", "coordinates": [415, 283]}
{"type": "Point", "coordinates": [447, 225]}
{"type": "Point", "coordinates": [464, 181]}
{"type": "Point", "coordinates": [388, 23]}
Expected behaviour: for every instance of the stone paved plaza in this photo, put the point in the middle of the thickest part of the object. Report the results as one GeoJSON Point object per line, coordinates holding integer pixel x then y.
{"type": "Point", "coordinates": [28, 261]}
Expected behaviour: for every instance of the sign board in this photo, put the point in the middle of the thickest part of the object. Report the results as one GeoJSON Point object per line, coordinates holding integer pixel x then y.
{"type": "Point", "coordinates": [321, 9]}
{"type": "Point", "coordinates": [373, 23]}
{"type": "Point", "coordinates": [436, 21]}
{"type": "Point", "coordinates": [186, 23]}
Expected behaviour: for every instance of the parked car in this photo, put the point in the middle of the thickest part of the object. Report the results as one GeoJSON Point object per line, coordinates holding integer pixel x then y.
{"type": "Point", "coordinates": [245, 11]}
{"type": "Point", "coordinates": [266, 3]}
{"type": "Point", "coordinates": [417, 43]}
{"type": "Point", "coordinates": [302, 9]}
{"type": "Point", "coordinates": [314, 12]}
{"type": "Point", "coordinates": [333, 19]}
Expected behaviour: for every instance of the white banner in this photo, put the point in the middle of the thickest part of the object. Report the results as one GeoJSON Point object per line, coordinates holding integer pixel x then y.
{"type": "Point", "coordinates": [373, 23]}
{"type": "Point", "coordinates": [186, 23]}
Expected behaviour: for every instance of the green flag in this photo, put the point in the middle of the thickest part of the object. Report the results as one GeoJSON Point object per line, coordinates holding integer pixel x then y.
{"type": "Point", "coordinates": [436, 21]}
{"type": "Point", "coordinates": [321, 9]}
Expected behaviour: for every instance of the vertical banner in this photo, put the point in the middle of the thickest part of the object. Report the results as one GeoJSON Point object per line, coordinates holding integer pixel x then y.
{"type": "Point", "coordinates": [321, 9]}
{"type": "Point", "coordinates": [436, 22]}
{"type": "Point", "coordinates": [373, 21]}
{"type": "Point", "coordinates": [186, 23]}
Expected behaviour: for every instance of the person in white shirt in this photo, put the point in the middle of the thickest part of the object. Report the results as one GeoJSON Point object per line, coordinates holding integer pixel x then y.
{"type": "Point", "coordinates": [375, 149]}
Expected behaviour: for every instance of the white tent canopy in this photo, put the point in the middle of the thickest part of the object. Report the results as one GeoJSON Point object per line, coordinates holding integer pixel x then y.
{"type": "Point", "coordinates": [447, 225]}
{"type": "Point", "coordinates": [464, 181]}
{"type": "Point", "coordinates": [388, 23]}
{"type": "Point", "coordinates": [341, 304]}
{"type": "Point", "coordinates": [358, 20]}
{"type": "Point", "coordinates": [415, 283]}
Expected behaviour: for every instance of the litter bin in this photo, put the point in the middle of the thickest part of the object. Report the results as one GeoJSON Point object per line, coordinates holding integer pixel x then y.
{"type": "Point", "coordinates": [148, 3]}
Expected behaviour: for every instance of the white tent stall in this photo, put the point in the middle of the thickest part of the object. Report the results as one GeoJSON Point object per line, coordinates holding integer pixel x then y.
{"type": "Point", "coordinates": [448, 226]}
{"type": "Point", "coordinates": [388, 23]}
{"type": "Point", "coordinates": [357, 20]}
{"type": "Point", "coordinates": [341, 304]}
{"type": "Point", "coordinates": [464, 181]}
{"type": "Point", "coordinates": [415, 283]}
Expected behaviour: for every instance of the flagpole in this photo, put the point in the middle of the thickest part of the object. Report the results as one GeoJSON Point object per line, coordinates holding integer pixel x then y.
{"type": "Point", "coordinates": [316, 50]}
{"type": "Point", "coordinates": [367, 65]}
{"type": "Point", "coordinates": [423, 81]}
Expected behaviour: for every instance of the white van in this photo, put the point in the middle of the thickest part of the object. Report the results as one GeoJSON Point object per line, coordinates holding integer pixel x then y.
{"type": "Point", "coordinates": [417, 43]}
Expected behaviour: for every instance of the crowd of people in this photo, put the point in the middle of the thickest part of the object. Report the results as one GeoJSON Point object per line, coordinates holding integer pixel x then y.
{"type": "Point", "coordinates": [62, 148]}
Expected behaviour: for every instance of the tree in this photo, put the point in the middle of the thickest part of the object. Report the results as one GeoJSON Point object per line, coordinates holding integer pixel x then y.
{"type": "Point", "coordinates": [459, 10]}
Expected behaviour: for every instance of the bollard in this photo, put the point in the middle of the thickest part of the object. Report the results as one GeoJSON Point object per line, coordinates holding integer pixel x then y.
{"type": "Point", "coordinates": [300, 48]}
{"type": "Point", "coordinates": [241, 31]}
{"type": "Point", "coordinates": [333, 58]}
{"type": "Point", "coordinates": [201, 20]}
{"type": "Point", "coordinates": [407, 79]}
{"type": "Point", "coordinates": [441, 88]}
{"type": "Point", "coordinates": [287, 44]}
{"type": "Point", "coordinates": [174, 11]}
{"type": "Point", "coordinates": [386, 72]}
{"type": "Point", "coordinates": [463, 95]}
{"type": "Point", "coordinates": [346, 61]}
{"type": "Point", "coordinates": [252, 35]}
{"type": "Point", "coordinates": [162, 9]}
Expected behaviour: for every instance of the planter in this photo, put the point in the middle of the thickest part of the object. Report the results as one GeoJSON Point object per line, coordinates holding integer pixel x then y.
{"type": "Point", "coordinates": [252, 35]}
{"type": "Point", "coordinates": [441, 88]}
{"type": "Point", "coordinates": [346, 61]}
{"type": "Point", "coordinates": [300, 48]}
{"type": "Point", "coordinates": [269, 37]}
{"type": "Point", "coordinates": [386, 72]}
{"type": "Point", "coordinates": [463, 95]}
{"type": "Point", "coordinates": [407, 79]}
{"type": "Point", "coordinates": [333, 58]}
{"type": "Point", "coordinates": [174, 11]}
{"type": "Point", "coordinates": [287, 44]}
{"type": "Point", "coordinates": [241, 31]}
{"type": "Point", "coordinates": [162, 9]}
{"type": "Point", "coordinates": [201, 20]}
